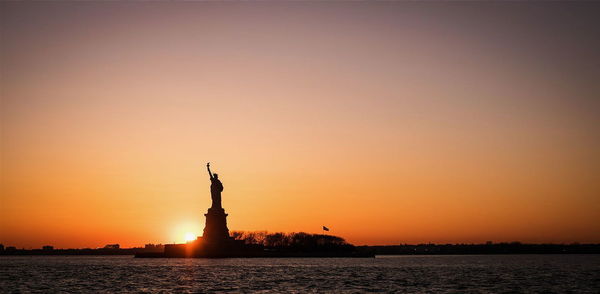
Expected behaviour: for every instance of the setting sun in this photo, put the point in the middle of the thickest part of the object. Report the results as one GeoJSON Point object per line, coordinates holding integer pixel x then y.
{"type": "Point", "coordinates": [190, 237]}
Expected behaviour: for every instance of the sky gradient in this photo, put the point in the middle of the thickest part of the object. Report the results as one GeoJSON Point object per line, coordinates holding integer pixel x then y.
{"type": "Point", "coordinates": [387, 122]}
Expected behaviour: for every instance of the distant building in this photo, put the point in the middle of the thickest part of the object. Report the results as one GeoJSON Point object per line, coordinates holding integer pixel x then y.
{"type": "Point", "coordinates": [11, 248]}
{"type": "Point", "coordinates": [1, 247]}
{"type": "Point", "coordinates": [112, 246]}
{"type": "Point", "coordinates": [48, 247]}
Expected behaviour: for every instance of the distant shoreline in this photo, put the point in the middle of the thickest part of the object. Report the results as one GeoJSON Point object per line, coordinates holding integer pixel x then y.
{"type": "Point", "coordinates": [419, 249]}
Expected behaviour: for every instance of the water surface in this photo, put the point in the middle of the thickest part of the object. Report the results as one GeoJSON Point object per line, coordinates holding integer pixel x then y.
{"type": "Point", "coordinates": [414, 274]}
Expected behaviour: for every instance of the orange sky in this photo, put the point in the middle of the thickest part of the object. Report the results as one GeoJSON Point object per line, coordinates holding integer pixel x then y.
{"type": "Point", "coordinates": [387, 122]}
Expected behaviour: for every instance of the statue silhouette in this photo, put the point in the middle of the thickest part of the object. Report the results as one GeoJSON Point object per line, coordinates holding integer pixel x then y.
{"type": "Point", "coordinates": [216, 187]}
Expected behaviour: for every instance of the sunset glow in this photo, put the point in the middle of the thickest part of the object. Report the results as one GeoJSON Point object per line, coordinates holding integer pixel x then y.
{"type": "Point", "coordinates": [190, 237]}
{"type": "Point", "coordinates": [387, 123]}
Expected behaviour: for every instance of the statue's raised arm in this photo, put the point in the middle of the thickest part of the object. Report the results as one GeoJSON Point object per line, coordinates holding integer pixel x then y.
{"type": "Point", "coordinates": [208, 167]}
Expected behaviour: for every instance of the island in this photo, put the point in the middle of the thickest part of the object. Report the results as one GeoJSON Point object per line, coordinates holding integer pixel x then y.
{"type": "Point", "coordinates": [216, 241]}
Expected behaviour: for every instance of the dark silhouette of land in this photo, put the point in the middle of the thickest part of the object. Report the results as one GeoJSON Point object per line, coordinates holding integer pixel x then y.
{"type": "Point", "coordinates": [487, 248]}
{"type": "Point", "coordinates": [305, 245]}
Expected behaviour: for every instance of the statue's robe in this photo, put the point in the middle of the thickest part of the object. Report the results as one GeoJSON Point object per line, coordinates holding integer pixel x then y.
{"type": "Point", "coordinates": [216, 187]}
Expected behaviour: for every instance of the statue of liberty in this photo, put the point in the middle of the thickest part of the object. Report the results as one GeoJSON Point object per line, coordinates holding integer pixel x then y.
{"type": "Point", "coordinates": [216, 187]}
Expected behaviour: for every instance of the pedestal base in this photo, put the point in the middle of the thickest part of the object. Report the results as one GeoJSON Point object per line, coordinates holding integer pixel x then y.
{"type": "Point", "coordinates": [216, 229]}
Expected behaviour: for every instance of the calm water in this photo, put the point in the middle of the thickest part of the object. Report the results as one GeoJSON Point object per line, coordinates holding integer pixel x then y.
{"type": "Point", "coordinates": [500, 273]}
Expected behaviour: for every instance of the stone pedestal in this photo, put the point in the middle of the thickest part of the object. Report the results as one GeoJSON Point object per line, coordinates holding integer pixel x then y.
{"type": "Point", "coordinates": [215, 230]}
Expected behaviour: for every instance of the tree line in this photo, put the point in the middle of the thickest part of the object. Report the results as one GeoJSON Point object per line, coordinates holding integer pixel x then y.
{"type": "Point", "coordinates": [293, 241]}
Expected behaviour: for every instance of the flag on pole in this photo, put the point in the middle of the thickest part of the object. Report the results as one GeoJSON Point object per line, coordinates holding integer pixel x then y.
{"type": "Point", "coordinates": [325, 228]}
